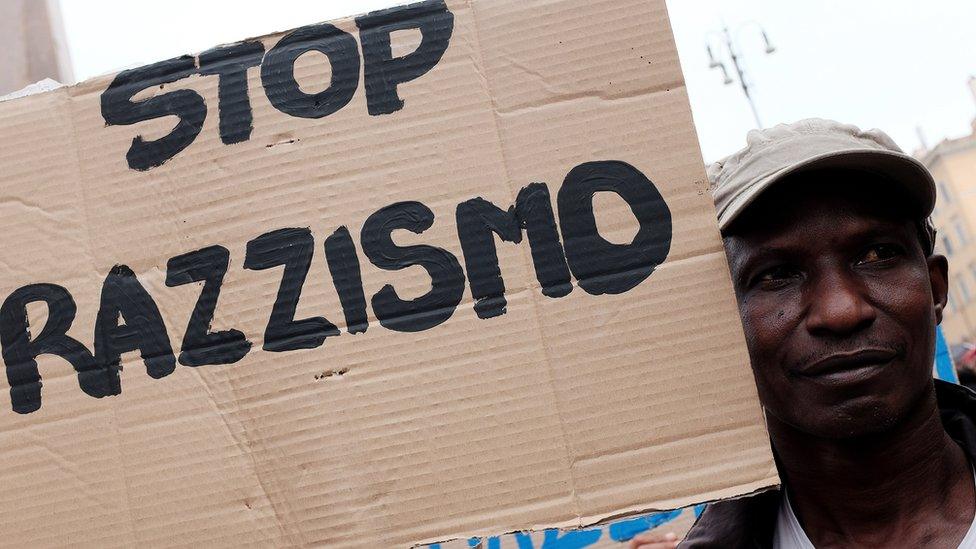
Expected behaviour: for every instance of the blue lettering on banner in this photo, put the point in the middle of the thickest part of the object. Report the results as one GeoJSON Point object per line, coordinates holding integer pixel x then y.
{"type": "Point", "coordinates": [626, 529]}
{"type": "Point", "coordinates": [620, 531]}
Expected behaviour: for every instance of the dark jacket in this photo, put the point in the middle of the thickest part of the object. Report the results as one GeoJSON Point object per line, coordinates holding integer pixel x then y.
{"type": "Point", "coordinates": [749, 522]}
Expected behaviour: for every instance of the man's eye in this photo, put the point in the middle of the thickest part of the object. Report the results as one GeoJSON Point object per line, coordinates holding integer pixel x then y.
{"type": "Point", "coordinates": [777, 276]}
{"type": "Point", "coordinates": [881, 252]}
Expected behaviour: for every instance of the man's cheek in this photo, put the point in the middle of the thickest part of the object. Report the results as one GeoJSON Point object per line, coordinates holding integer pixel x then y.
{"type": "Point", "coordinates": [915, 315]}
{"type": "Point", "coordinates": [754, 337]}
{"type": "Point", "coordinates": [763, 327]}
{"type": "Point", "coordinates": [762, 345]}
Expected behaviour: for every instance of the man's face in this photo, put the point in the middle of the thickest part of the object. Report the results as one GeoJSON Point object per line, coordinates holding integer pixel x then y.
{"type": "Point", "coordinates": [838, 302]}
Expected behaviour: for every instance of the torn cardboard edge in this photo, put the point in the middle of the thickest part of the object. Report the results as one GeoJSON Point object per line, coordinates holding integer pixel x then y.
{"type": "Point", "coordinates": [607, 522]}
{"type": "Point", "coordinates": [41, 86]}
{"type": "Point", "coordinates": [604, 521]}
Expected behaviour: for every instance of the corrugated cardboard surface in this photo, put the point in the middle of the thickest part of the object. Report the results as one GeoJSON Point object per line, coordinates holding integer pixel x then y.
{"type": "Point", "coordinates": [562, 412]}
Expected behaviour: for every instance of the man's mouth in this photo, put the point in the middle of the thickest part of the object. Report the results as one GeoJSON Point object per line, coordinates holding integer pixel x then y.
{"type": "Point", "coordinates": [848, 367]}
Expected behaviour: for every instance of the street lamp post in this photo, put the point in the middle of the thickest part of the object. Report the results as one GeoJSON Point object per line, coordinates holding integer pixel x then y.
{"type": "Point", "coordinates": [716, 63]}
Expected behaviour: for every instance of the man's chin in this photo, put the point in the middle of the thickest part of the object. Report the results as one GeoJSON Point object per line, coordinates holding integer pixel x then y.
{"type": "Point", "coordinates": [856, 419]}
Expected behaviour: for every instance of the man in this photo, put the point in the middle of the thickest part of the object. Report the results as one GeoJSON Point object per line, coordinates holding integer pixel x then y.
{"type": "Point", "coordinates": [831, 254]}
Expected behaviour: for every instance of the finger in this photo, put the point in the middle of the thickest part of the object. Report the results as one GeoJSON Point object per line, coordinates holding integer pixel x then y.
{"type": "Point", "coordinates": [654, 540]}
{"type": "Point", "coordinates": [658, 545]}
{"type": "Point", "coordinates": [645, 539]}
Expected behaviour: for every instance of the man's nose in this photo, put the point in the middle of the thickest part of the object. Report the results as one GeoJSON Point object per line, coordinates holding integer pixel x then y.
{"type": "Point", "coordinates": [838, 305]}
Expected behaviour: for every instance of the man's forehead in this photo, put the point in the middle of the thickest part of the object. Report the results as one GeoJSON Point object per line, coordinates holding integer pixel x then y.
{"type": "Point", "coordinates": [824, 195]}
{"type": "Point", "coordinates": [813, 214]}
{"type": "Point", "coordinates": [823, 226]}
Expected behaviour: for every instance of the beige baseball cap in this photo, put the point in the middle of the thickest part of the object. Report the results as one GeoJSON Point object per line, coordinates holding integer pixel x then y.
{"type": "Point", "coordinates": [772, 154]}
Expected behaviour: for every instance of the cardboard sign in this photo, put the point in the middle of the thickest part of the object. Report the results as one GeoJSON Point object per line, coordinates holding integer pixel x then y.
{"type": "Point", "coordinates": [438, 271]}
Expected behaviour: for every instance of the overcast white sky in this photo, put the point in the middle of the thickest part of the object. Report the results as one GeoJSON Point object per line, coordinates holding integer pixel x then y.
{"type": "Point", "coordinates": [892, 64]}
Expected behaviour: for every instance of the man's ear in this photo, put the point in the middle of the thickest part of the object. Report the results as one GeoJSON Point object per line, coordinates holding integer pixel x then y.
{"type": "Point", "coordinates": [939, 280]}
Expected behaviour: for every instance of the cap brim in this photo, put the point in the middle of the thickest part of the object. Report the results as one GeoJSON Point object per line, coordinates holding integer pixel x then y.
{"type": "Point", "coordinates": [899, 168]}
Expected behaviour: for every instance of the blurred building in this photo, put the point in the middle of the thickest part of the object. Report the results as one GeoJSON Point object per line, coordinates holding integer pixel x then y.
{"type": "Point", "coordinates": [953, 165]}
{"type": "Point", "coordinates": [32, 44]}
